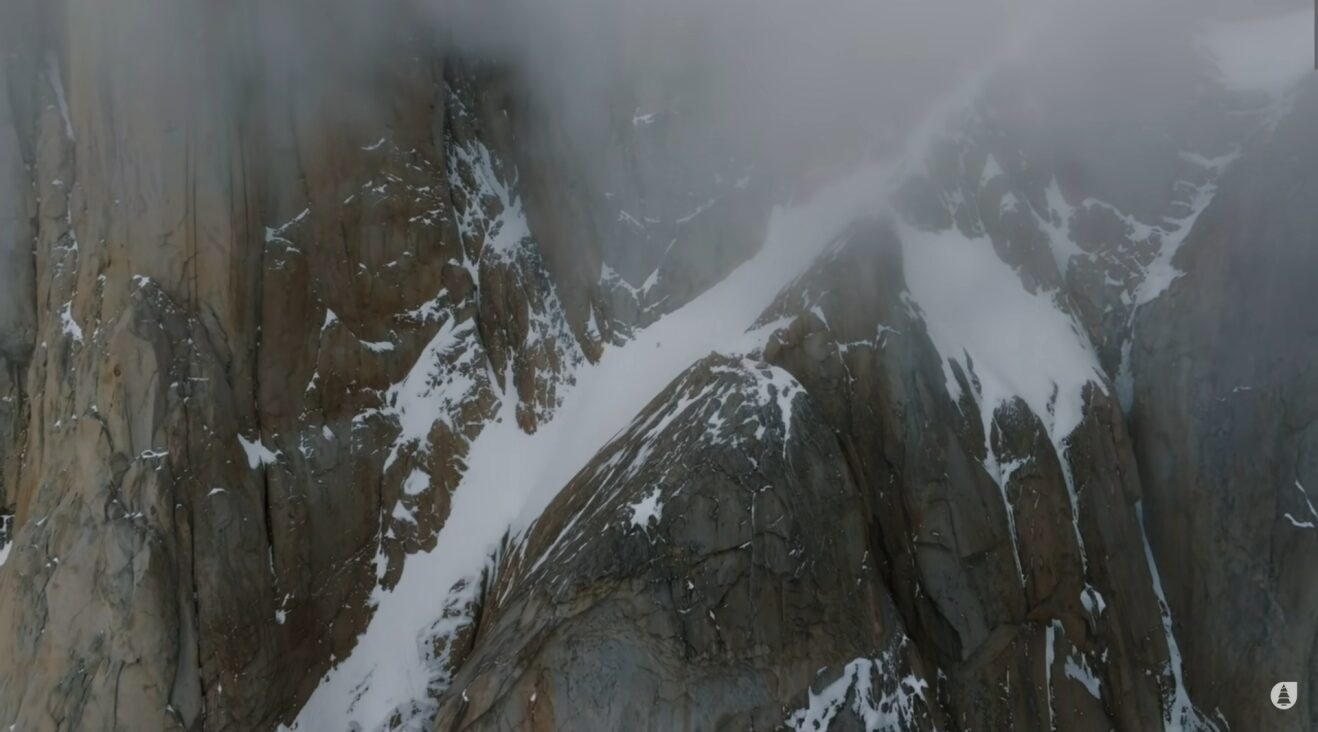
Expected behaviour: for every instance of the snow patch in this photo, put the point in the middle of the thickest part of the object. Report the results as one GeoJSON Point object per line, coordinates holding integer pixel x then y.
{"type": "Point", "coordinates": [647, 510]}
{"type": "Point", "coordinates": [435, 388]}
{"type": "Point", "coordinates": [508, 228]}
{"type": "Point", "coordinates": [402, 514]}
{"type": "Point", "coordinates": [6, 537]}
{"type": "Point", "coordinates": [1092, 601]}
{"type": "Point", "coordinates": [1305, 523]}
{"type": "Point", "coordinates": [1021, 344]}
{"type": "Point", "coordinates": [417, 482]}
{"type": "Point", "coordinates": [774, 385]}
{"type": "Point", "coordinates": [1001, 475]}
{"type": "Point", "coordinates": [1160, 273]}
{"type": "Point", "coordinates": [68, 324]}
{"type": "Point", "coordinates": [276, 234]}
{"type": "Point", "coordinates": [1080, 671]}
{"type": "Point", "coordinates": [1057, 225]}
{"type": "Point", "coordinates": [1299, 524]}
{"type": "Point", "coordinates": [1016, 344]}
{"type": "Point", "coordinates": [892, 709]}
{"type": "Point", "coordinates": [257, 453]}
{"type": "Point", "coordinates": [1049, 654]}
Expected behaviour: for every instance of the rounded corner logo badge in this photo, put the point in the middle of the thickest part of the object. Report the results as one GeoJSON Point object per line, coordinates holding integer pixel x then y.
{"type": "Point", "coordinates": [1285, 694]}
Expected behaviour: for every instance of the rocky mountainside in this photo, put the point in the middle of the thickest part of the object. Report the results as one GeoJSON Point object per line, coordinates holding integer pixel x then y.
{"type": "Point", "coordinates": [362, 397]}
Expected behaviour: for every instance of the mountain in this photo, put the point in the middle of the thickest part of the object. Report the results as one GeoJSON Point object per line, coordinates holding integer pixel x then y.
{"type": "Point", "coordinates": [387, 396]}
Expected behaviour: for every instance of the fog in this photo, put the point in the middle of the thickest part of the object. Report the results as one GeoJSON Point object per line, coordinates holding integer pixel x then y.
{"type": "Point", "coordinates": [776, 84]}
{"type": "Point", "coordinates": [790, 82]}
{"type": "Point", "coordinates": [786, 90]}
{"type": "Point", "coordinates": [651, 98]}
{"type": "Point", "coordinates": [773, 71]}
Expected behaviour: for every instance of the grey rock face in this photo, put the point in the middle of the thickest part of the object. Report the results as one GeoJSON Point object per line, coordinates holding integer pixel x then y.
{"type": "Point", "coordinates": [597, 618]}
{"type": "Point", "coordinates": [17, 327]}
{"type": "Point", "coordinates": [708, 568]}
{"type": "Point", "coordinates": [991, 580]}
{"type": "Point", "coordinates": [1224, 424]}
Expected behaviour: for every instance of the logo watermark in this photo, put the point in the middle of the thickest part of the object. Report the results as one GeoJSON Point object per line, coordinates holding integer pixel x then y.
{"type": "Point", "coordinates": [1285, 694]}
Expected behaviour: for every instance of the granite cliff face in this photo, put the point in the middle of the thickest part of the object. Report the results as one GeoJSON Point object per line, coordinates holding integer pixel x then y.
{"type": "Point", "coordinates": [1240, 425]}
{"type": "Point", "coordinates": [370, 405]}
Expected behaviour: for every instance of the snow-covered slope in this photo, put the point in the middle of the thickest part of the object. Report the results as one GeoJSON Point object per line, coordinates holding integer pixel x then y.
{"type": "Point", "coordinates": [511, 475]}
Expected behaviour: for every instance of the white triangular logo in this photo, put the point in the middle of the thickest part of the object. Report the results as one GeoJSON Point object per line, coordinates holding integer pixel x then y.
{"type": "Point", "coordinates": [1285, 694]}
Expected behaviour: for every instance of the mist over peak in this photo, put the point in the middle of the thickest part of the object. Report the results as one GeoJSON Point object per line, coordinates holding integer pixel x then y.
{"type": "Point", "coordinates": [639, 364]}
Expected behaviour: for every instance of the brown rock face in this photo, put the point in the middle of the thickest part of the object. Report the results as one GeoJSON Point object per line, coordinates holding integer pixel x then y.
{"type": "Point", "coordinates": [223, 308]}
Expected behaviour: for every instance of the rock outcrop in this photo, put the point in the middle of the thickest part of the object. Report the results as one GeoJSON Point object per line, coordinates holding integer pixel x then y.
{"type": "Point", "coordinates": [258, 342]}
{"type": "Point", "coordinates": [1000, 546]}
{"type": "Point", "coordinates": [710, 564]}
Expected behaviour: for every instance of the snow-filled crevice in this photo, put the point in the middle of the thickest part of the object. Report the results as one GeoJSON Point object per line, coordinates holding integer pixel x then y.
{"type": "Point", "coordinates": [1309, 520]}
{"type": "Point", "coordinates": [1049, 656]}
{"type": "Point", "coordinates": [1159, 275]}
{"type": "Point", "coordinates": [7, 531]}
{"type": "Point", "coordinates": [1179, 712]}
